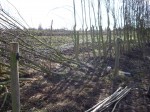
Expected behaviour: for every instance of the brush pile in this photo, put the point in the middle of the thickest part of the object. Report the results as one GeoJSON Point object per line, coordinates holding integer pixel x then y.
{"type": "Point", "coordinates": [119, 94]}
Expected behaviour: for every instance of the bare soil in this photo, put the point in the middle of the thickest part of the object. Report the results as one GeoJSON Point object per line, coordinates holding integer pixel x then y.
{"type": "Point", "coordinates": [80, 89]}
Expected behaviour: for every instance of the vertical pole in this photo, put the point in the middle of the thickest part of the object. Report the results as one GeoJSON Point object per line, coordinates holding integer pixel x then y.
{"type": "Point", "coordinates": [14, 75]}
{"type": "Point", "coordinates": [77, 46]}
{"type": "Point", "coordinates": [1, 66]}
{"type": "Point", "coordinates": [117, 56]}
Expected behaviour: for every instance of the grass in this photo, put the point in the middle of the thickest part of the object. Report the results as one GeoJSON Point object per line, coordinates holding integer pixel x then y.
{"type": "Point", "coordinates": [56, 40]}
{"type": "Point", "coordinates": [61, 40]}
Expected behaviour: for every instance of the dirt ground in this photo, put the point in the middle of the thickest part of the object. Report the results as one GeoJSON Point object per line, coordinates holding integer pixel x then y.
{"type": "Point", "coordinates": [80, 89]}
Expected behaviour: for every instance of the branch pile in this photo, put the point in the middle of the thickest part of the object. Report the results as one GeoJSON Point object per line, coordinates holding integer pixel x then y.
{"type": "Point", "coordinates": [119, 94]}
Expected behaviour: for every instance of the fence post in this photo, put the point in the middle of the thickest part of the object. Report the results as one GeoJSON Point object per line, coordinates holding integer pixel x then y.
{"type": "Point", "coordinates": [117, 55]}
{"type": "Point", "coordinates": [14, 75]}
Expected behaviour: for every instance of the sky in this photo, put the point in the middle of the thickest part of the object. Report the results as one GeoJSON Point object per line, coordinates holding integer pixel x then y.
{"type": "Point", "coordinates": [42, 12]}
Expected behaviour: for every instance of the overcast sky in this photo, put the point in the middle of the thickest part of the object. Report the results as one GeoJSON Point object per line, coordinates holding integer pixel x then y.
{"type": "Point", "coordinates": [42, 12]}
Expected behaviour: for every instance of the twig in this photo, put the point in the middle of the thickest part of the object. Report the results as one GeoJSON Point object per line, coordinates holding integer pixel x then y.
{"type": "Point", "coordinates": [5, 98]}
{"type": "Point", "coordinates": [20, 79]}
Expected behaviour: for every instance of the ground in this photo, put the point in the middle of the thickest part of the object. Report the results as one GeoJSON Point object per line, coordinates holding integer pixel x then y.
{"type": "Point", "coordinates": [79, 90]}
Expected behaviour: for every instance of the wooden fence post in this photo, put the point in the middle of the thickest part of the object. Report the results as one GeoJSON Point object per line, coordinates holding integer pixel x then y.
{"type": "Point", "coordinates": [14, 75]}
{"type": "Point", "coordinates": [117, 56]}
